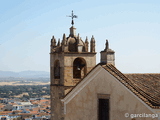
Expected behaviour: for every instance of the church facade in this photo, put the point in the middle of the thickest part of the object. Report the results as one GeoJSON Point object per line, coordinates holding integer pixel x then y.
{"type": "Point", "coordinates": [82, 90]}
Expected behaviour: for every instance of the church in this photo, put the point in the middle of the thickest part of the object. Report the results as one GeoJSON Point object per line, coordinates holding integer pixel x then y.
{"type": "Point", "coordinates": [82, 90]}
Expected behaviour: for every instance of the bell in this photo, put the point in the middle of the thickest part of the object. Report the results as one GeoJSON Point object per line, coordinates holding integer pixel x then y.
{"type": "Point", "coordinates": [78, 68]}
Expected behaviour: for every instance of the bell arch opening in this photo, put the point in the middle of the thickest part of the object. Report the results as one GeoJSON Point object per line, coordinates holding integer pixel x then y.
{"type": "Point", "coordinates": [79, 68]}
{"type": "Point", "coordinates": [57, 69]}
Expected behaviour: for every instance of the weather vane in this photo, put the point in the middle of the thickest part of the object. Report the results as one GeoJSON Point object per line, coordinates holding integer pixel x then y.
{"type": "Point", "coordinates": [73, 16]}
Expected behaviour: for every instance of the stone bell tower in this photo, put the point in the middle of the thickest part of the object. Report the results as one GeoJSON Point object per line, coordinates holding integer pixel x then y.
{"type": "Point", "coordinates": [70, 61]}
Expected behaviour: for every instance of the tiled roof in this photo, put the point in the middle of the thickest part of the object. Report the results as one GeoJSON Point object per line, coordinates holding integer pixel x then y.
{"type": "Point", "coordinates": [3, 113]}
{"type": "Point", "coordinates": [43, 114]}
{"type": "Point", "coordinates": [6, 112]}
{"type": "Point", "coordinates": [145, 86]}
{"type": "Point", "coordinates": [3, 117]}
{"type": "Point", "coordinates": [18, 111]}
{"type": "Point", "coordinates": [149, 84]}
{"type": "Point", "coordinates": [35, 102]}
{"type": "Point", "coordinates": [36, 108]}
{"type": "Point", "coordinates": [24, 114]}
{"type": "Point", "coordinates": [33, 112]}
{"type": "Point", "coordinates": [1, 106]}
{"type": "Point", "coordinates": [44, 100]}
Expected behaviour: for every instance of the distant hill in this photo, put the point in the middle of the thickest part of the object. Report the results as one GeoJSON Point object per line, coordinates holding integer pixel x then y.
{"type": "Point", "coordinates": [26, 74]}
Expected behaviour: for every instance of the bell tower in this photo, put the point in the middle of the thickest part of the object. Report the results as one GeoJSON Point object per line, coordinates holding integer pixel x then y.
{"type": "Point", "coordinates": [70, 61]}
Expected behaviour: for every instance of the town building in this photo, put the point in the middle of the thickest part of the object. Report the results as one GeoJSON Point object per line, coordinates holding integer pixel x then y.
{"type": "Point", "coordinates": [31, 110]}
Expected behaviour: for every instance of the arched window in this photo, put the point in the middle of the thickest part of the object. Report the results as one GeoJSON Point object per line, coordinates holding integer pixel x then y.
{"type": "Point", "coordinates": [57, 69]}
{"type": "Point", "coordinates": [79, 68]}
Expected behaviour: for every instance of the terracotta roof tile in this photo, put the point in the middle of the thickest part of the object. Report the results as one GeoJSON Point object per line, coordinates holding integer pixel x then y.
{"type": "Point", "coordinates": [149, 84]}
{"type": "Point", "coordinates": [36, 109]}
{"type": "Point", "coordinates": [33, 112]}
{"type": "Point", "coordinates": [18, 111]}
{"type": "Point", "coordinates": [6, 112]}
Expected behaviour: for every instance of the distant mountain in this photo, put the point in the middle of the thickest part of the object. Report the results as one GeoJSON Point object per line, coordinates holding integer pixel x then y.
{"type": "Point", "coordinates": [27, 74]}
{"type": "Point", "coordinates": [8, 74]}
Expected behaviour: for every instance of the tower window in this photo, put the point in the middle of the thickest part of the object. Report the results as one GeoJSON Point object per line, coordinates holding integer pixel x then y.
{"type": "Point", "coordinates": [57, 69]}
{"type": "Point", "coordinates": [79, 68]}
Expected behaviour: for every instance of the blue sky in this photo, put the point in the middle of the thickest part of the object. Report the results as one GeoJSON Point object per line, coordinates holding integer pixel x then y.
{"type": "Point", "coordinates": [132, 28]}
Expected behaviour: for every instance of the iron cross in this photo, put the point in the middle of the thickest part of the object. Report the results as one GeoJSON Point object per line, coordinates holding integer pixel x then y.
{"type": "Point", "coordinates": [73, 16]}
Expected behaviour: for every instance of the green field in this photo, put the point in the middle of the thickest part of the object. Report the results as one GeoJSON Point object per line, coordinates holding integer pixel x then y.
{"type": "Point", "coordinates": [29, 91]}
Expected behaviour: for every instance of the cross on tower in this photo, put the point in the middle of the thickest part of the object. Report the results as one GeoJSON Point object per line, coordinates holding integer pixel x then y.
{"type": "Point", "coordinates": [73, 16]}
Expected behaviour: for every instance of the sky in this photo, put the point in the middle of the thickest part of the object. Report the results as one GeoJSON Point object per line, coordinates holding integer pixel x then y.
{"type": "Point", "coordinates": [131, 26]}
